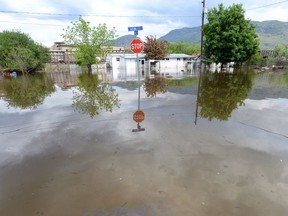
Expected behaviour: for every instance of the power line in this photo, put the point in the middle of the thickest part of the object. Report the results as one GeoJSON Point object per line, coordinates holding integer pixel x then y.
{"type": "Point", "coordinates": [116, 25]}
{"type": "Point", "coordinates": [124, 16]}
{"type": "Point", "coordinates": [99, 15]}
{"type": "Point", "coordinates": [268, 5]}
{"type": "Point", "coordinates": [29, 23]}
{"type": "Point", "coordinates": [108, 16]}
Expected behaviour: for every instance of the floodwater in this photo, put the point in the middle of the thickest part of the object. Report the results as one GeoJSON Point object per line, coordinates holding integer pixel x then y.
{"type": "Point", "coordinates": [71, 150]}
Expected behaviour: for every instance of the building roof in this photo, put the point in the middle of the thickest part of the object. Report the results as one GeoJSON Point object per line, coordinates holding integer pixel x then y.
{"type": "Point", "coordinates": [141, 56]}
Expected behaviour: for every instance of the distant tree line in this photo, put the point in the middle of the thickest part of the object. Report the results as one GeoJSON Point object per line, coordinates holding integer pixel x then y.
{"type": "Point", "coordinates": [184, 47]}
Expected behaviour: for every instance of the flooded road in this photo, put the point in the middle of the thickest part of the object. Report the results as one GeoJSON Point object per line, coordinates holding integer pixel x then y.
{"type": "Point", "coordinates": [56, 160]}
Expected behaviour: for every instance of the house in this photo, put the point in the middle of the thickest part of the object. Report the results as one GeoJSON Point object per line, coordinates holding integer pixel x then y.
{"type": "Point", "coordinates": [124, 66]}
{"type": "Point", "coordinates": [63, 53]}
{"type": "Point", "coordinates": [173, 64]}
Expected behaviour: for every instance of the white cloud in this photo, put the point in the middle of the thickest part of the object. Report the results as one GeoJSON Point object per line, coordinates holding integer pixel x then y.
{"type": "Point", "coordinates": [157, 17]}
{"type": "Point", "coordinates": [31, 6]}
{"type": "Point", "coordinates": [277, 13]}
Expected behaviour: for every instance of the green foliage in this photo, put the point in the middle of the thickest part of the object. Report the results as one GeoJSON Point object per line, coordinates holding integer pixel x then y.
{"type": "Point", "coordinates": [183, 47]}
{"type": "Point", "coordinates": [221, 93]}
{"type": "Point", "coordinates": [281, 51]}
{"type": "Point", "coordinates": [91, 43]}
{"type": "Point", "coordinates": [27, 92]}
{"type": "Point", "coordinates": [281, 54]}
{"type": "Point", "coordinates": [229, 37]}
{"type": "Point", "coordinates": [155, 49]}
{"type": "Point", "coordinates": [94, 96]}
{"type": "Point", "coordinates": [257, 59]}
{"type": "Point", "coordinates": [19, 51]}
{"type": "Point", "coordinates": [20, 58]}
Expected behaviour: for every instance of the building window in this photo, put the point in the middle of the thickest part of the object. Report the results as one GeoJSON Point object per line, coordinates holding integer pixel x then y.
{"type": "Point", "coordinates": [117, 59]}
{"type": "Point", "coordinates": [178, 59]}
{"type": "Point", "coordinates": [167, 59]}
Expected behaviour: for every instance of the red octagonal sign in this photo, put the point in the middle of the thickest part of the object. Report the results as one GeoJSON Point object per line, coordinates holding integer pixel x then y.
{"type": "Point", "coordinates": [136, 45]}
{"type": "Point", "coordinates": [138, 116]}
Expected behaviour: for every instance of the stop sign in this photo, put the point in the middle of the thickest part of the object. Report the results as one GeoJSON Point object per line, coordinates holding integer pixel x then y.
{"type": "Point", "coordinates": [136, 45]}
{"type": "Point", "coordinates": [138, 116]}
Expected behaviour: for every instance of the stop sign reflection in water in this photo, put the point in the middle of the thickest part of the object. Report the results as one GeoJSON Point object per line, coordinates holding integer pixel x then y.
{"type": "Point", "coordinates": [138, 116]}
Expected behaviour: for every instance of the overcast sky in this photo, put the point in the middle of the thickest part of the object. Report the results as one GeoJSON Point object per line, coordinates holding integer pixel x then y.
{"type": "Point", "coordinates": [44, 20]}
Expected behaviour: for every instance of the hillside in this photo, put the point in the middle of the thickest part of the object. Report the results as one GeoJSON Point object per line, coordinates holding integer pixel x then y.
{"type": "Point", "coordinates": [270, 34]}
{"type": "Point", "coordinates": [190, 35]}
{"type": "Point", "coordinates": [124, 41]}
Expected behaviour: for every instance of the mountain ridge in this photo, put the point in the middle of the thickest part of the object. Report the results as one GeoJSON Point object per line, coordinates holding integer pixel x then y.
{"type": "Point", "coordinates": [270, 33]}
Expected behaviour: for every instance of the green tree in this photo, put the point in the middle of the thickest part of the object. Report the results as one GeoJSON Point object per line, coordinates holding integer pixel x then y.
{"type": "Point", "coordinates": [182, 47]}
{"type": "Point", "coordinates": [20, 58]}
{"type": "Point", "coordinates": [229, 37]}
{"type": "Point", "coordinates": [257, 59]}
{"type": "Point", "coordinates": [19, 51]}
{"type": "Point", "coordinates": [91, 43]}
{"type": "Point", "coordinates": [94, 96]}
{"type": "Point", "coordinates": [155, 49]}
{"type": "Point", "coordinates": [281, 54]}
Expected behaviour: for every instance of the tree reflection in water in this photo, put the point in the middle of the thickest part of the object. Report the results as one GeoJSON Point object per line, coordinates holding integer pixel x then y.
{"type": "Point", "coordinates": [159, 84]}
{"type": "Point", "coordinates": [152, 86]}
{"type": "Point", "coordinates": [221, 93]}
{"type": "Point", "coordinates": [93, 96]}
{"type": "Point", "coordinates": [27, 91]}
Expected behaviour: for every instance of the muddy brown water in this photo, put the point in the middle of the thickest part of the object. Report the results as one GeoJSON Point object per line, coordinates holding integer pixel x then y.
{"type": "Point", "coordinates": [55, 161]}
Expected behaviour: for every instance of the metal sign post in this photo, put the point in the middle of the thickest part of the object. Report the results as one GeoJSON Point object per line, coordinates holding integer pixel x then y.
{"type": "Point", "coordinates": [138, 74]}
{"type": "Point", "coordinates": [137, 47]}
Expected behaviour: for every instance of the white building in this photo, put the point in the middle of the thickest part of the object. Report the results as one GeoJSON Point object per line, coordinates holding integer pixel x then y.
{"type": "Point", "coordinates": [124, 66]}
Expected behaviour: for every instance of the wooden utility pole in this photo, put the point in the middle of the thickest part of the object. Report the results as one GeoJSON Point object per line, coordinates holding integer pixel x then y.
{"type": "Point", "coordinates": [202, 31]}
{"type": "Point", "coordinates": [201, 61]}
